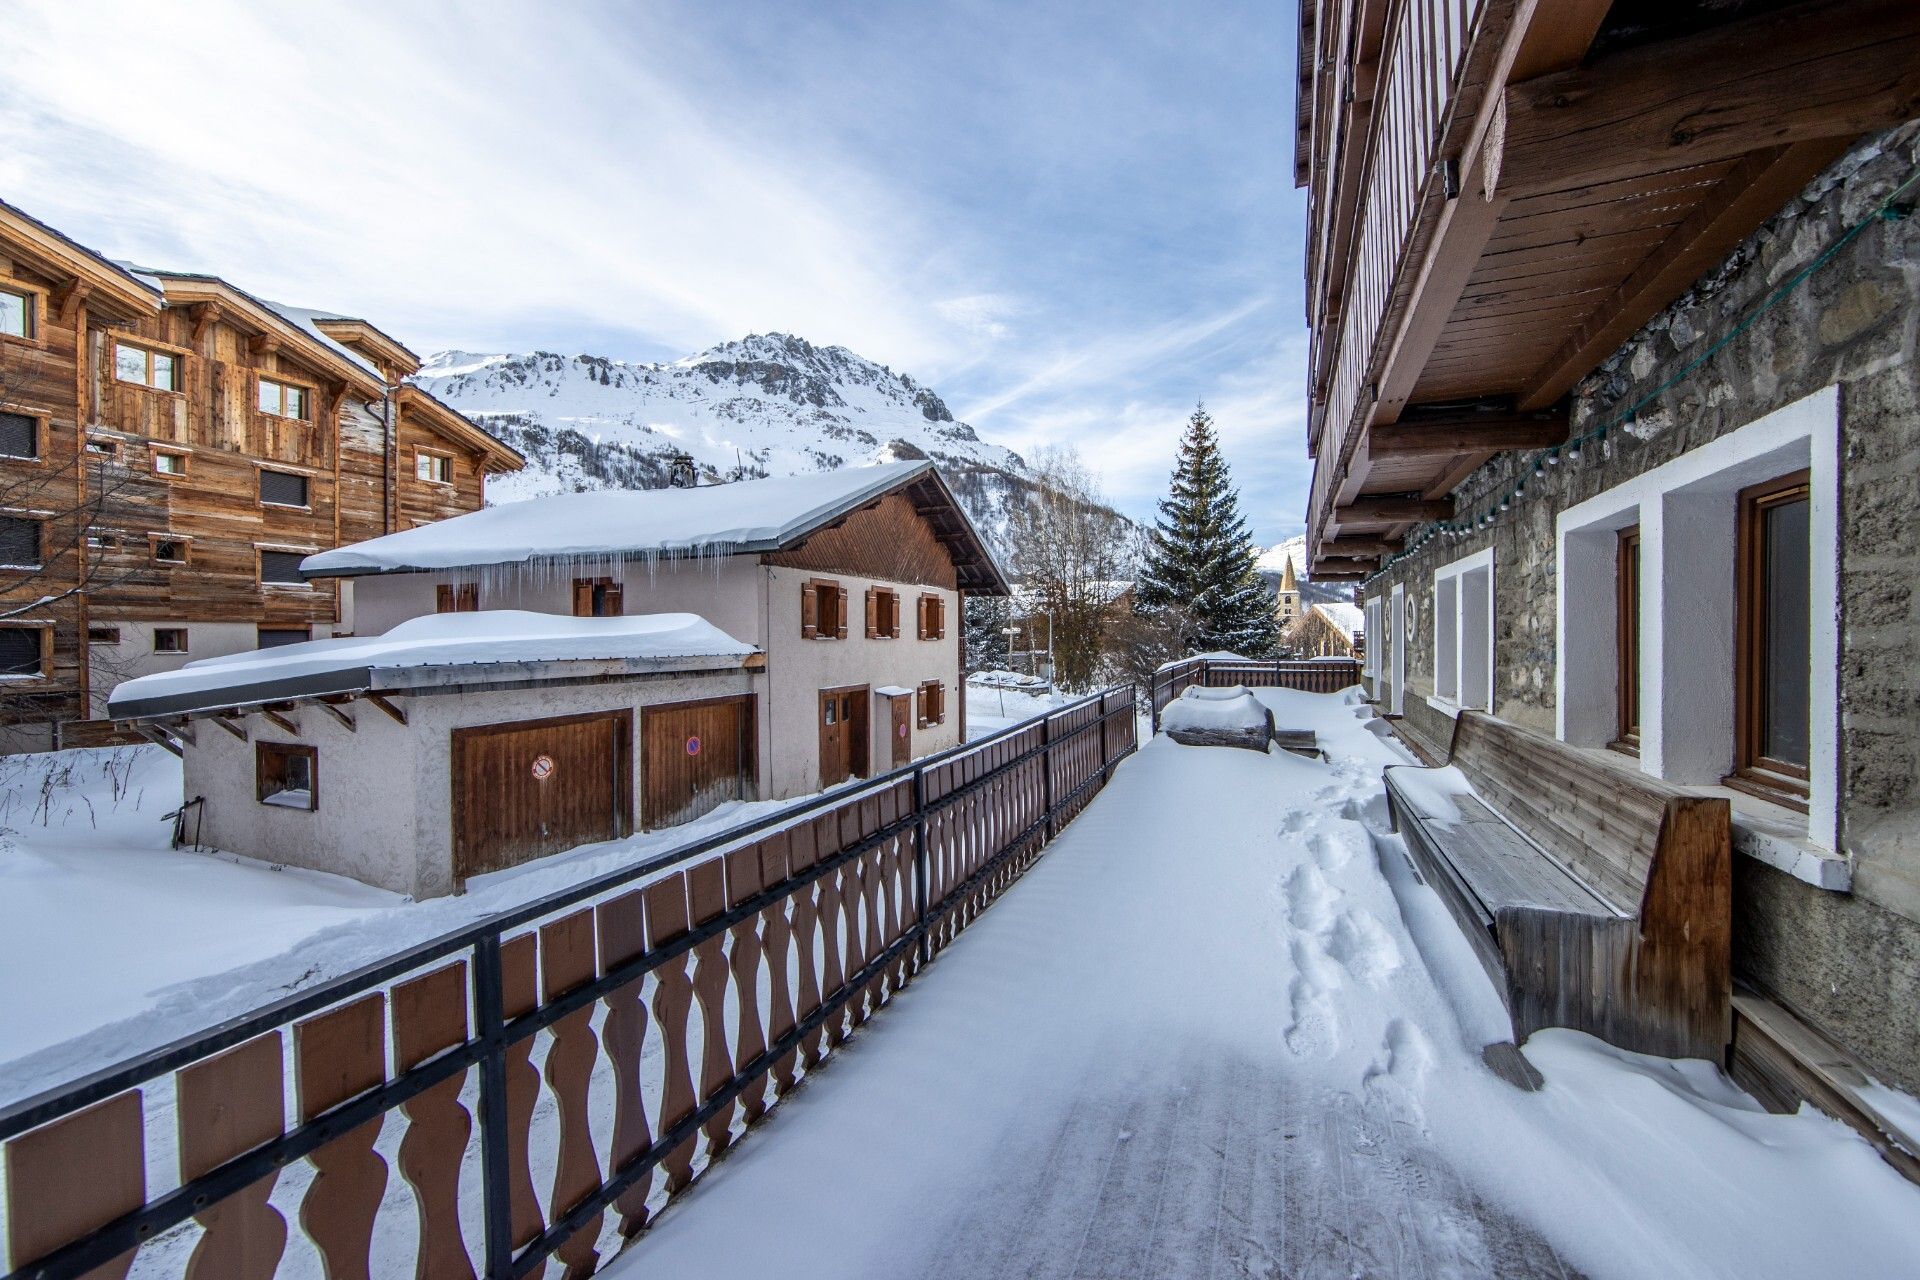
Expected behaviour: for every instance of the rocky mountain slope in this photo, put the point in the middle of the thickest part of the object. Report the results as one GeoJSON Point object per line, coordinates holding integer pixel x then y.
{"type": "Point", "coordinates": [768, 404]}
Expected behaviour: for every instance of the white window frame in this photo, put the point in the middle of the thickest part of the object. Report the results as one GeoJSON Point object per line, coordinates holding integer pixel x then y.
{"type": "Point", "coordinates": [1688, 513]}
{"type": "Point", "coordinates": [1397, 625]}
{"type": "Point", "coordinates": [1463, 635]}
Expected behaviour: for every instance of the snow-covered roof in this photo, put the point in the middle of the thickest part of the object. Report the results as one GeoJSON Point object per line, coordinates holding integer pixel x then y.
{"type": "Point", "coordinates": [712, 520]}
{"type": "Point", "coordinates": [1028, 597]}
{"type": "Point", "coordinates": [439, 649]}
{"type": "Point", "coordinates": [1347, 619]}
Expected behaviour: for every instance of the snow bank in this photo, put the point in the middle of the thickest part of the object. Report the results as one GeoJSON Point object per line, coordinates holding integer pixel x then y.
{"type": "Point", "coordinates": [1218, 717]}
{"type": "Point", "coordinates": [748, 515]}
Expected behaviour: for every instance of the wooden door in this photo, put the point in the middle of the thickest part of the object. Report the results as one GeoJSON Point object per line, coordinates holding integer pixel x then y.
{"type": "Point", "coordinates": [900, 734]}
{"type": "Point", "coordinates": [694, 756]}
{"type": "Point", "coordinates": [528, 788]}
{"type": "Point", "coordinates": [844, 752]}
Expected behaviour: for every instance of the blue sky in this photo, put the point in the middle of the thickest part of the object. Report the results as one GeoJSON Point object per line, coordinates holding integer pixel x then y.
{"type": "Point", "coordinates": [1072, 220]}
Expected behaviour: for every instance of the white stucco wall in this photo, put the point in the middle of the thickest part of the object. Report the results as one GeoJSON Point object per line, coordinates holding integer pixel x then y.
{"type": "Point", "coordinates": [134, 656]}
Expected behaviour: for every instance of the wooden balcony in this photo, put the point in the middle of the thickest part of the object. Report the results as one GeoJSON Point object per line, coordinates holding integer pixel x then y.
{"type": "Point", "coordinates": [1503, 191]}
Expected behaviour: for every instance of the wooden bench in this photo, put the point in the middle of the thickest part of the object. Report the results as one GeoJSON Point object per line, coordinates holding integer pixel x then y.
{"type": "Point", "coordinates": [1597, 897]}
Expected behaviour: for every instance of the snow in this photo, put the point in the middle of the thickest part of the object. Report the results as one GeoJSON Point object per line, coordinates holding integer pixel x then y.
{"type": "Point", "coordinates": [1199, 708]}
{"type": "Point", "coordinates": [1222, 1029]}
{"type": "Point", "coordinates": [1347, 619]}
{"type": "Point", "coordinates": [1216, 655]}
{"type": "Point", "coordinates": [991, 708]}
{"type": "Point", "coordinates": [1274, 559]}
{"type": "Point", "coordinates": [707, 520]}
{"type": "Point", "coordinates": [476, 639]}
{"type": "Point", "coordinates": [1002, 679]}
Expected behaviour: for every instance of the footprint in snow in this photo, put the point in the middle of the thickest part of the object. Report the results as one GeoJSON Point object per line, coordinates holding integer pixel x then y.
{"type": "Point", "coordinates": [1296, 821]}
{"type": "Point", "coordinates": [1336, 848]}
{"type": "Point", "coordinates": [1397, 1077]}
{"type": "Point", "coordinates": [1363, 945]}
{"type": "Point", "coordinates": [1310, 899]}
{"type": "Point", "coordinates": [1313, 1031]}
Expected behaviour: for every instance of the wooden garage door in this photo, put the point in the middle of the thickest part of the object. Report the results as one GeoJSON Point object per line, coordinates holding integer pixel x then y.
{"type": "Point", "coordinates": [694, 756]}
{"type": "Point", "coordinates": [529, 788]}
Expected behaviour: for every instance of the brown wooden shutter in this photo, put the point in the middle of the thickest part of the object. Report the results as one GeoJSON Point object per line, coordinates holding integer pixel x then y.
{"type": "Point", "coordinates": [443, 599]}
{"type": "Point", "coordinates": [939, 618]}
{"type": "Point", "coordinates": [873, 613]}
{"type": "Point", "coordinates": [582, 598]}
{"type": "Point", "coordinates": [920, 706]}
{"type": "Point", "coordinates": [840, 620]}
{"type": "Point", "coordinates": [920, 617]}
{"type": "Point", "coordinates": [809, 611]}
{"type": "Point", "coordinates": [468, 598]}
{"type": "Point", "coordinates": [616, 599]}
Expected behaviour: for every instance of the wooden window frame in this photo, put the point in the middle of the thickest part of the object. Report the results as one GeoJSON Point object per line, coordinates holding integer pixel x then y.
{"type": "Point", "coordinates": [40, 541]}
{"type": "Point", "coordinates": [151, 348]}
{"type": "Point", "coordinates": [1779, 781]}
{"type": "Point", "coordinates": [1626, 641]}
{"type": "Point", "coordinates": [440, 456]}
{"type": "Point", "coordinates": [883, 613]}
{"type": "Point", "coordinates": [309, 392]}
{"type": "Point", "coordinates": [102, 446]}
{"type": "Point", "coordinates": [46, 651]}
{"type": "Point", "coordinates": [42, 426]}
{"type": "Point", "coordinates": [153, 550]}
{"type": "Point", "coordinates": [156, 452]}
{"type": "Point", "coordinates": [931, 616]}
{"type": "Point", "coordinates": [260, 554]}
{"type": "Point", "coordinates": [186, 640]}
{"type": "Point", "coordinates": [261, 750]}
{"type": "Point", "coordinates": [812, 592]}
{"type": "Point", "coordinates": [613, 592]}
{"type": "Point", "coordinates": [260, 486]}
{"type": "Point", "coordinates": [37, 297]}
{"type": "Point", "coordinates": [456, 597]}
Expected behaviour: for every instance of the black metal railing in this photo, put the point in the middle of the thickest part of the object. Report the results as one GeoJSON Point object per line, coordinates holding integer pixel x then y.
{"type": "Point", "coordinates": [958, 826]}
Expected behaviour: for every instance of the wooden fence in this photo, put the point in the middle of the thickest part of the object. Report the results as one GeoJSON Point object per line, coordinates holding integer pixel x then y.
{"type": "Point", "coordinates": [560, 1070]}
{"type": "Point", "coordinates": [1316, 675]}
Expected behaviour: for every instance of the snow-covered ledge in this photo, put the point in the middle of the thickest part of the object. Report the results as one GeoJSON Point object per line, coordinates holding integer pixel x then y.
{"type": "Point", "coordinates": [1777, 836]}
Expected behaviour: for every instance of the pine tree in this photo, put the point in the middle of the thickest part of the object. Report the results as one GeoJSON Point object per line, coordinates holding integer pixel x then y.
{"type": "Point", "coordinates": [1199, 560]}
{"type": "Point", "coordinates": [986, 621]}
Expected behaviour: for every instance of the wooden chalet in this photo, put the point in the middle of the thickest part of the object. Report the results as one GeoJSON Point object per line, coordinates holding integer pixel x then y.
{"type": "Point", "coordinates": [181, 446]}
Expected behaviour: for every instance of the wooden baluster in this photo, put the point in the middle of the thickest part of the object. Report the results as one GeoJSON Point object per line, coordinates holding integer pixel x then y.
{"type": "Point", "coordinates": [872, 870]}
{"type": "Point", "coordinates": [853, 877]}
{"type": "Point", "coordinates": [776, 935]}
{"type": "Point", "coordinates": [672, 1001]}
{"type": "Point", "coordinates": [743, 882]}
{"type": "Point", "coordinates": [803, 853]}
{"type": "Point", "coordinates": [430, 1017]}
{"type": "Point", "coordinates": [892, 810]}
{"type": "Point", "coordinates": [519, 996]}
{"type": "Point", "coordinates": [707, 896]}
{"type": "Point", "coordinates": [338, 1055]}
{"type": "Point", "coordinates": [826, 834]}
{"type": "Point", "coordinates": [623, 936]}
{"type": "Point", "coordinates": [73, 1176]}
{"type": "Point", "coordinates": [226, 1106]}
{"type": "Point", "coordinates": [566, 964]}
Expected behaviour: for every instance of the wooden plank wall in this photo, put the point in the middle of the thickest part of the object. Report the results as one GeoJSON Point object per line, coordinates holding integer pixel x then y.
{"type": "Point", "coordinates": [887, 540]}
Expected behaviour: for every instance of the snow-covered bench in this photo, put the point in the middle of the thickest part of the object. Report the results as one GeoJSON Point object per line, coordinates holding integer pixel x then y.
{"type": "Point", "coordinates": [1229, 717]}
{"type": "Point", "coordinates": [1597, 897]}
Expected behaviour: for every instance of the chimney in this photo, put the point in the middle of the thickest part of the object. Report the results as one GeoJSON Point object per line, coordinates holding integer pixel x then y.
{"type": "Point", "coordinates": [680, 472]}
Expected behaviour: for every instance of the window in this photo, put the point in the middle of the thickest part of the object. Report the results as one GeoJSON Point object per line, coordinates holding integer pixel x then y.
{"type": "Point", "coordinates": [19, 435]}
{"type": "Point", "coordinates": [456, 597]}
{"type": "Point", "coordinates": [145, 367]}
{"type": "Point", "coordinates": [823, 610]}
{"type": "Point", "coordinates": [25, 651]}
{"type": "Point", "coordinates": [103, 635]}
{"type": "Point", "coordinates": [284, 400]}
{"type": "Point", "coordinates": [1773, 623]}
{"type": "Point", "coordinates": [103, 541]}
{"type": "Point", "coordinates": [169, 464]}
{"type": "Point", "coordinates": [1626, 614]}
{"type": "Point", "coordinates": [1462, 634]}
{"type": "Point", "coordinates": [434, 468]}
{"type": "Point", "coordinates": [283, 489]}
{"type": "Point", "coordinates": [274, 637]}
{"type": "Point", "coordinates": [282, 568]}
{"type": "Point", "coordinates": [169, 639]}
{"type": "Point", "coordinates": [596, 598]}
{"type": "Point", "coordinates": [284, 775]}
{"type": "Point", "coordinates": [933, 617]}
{"type": "Point", "coordinates": [19, 314]}
{"type": "Point", "coordinates": [104, 447]}
{"type": "Point", "coordinates": [883, 614]}
{"type": "Point", "coordinates": [20, 542]}
{"type": "Point", "coordinates": [164, 549]}
{"type": "Point", "coordinates": [932, 697]}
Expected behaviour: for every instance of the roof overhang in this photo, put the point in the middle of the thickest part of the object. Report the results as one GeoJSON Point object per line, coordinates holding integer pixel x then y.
{"type": "Point", "coordinates": [975, 569]}
{"type": "Point", "coordinates": [109, 288]}
{"type": "Point", "coordinates": [249, 313]}
{"type": "Point", "coordinates": [380, 347]}
{"type": "Point", "coordinates": [497, 457]}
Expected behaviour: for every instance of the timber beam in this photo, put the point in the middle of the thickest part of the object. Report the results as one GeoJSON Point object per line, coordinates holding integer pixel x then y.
{"type": "Point", "coordinates": [1446, 433]}
{"type": "Point", "coordinates": [1328, 566]}
{"type": "Point", "coordinates": [160, 739]}
{"type": "Point", "coordinates": [1339, 548]}
{"type": "Point", "coordinates": [1344, 575]}
{"type": "Point", "coordinates": [340, 717]}
{"type": "Point", "coordinates": [382, 702]}
{"type": "Point", "coordinates": [275, 714]}
{"type": "Point", "coordinates": [1385, 509]}
{"type": "Point", "coordinates": [1829, 69]}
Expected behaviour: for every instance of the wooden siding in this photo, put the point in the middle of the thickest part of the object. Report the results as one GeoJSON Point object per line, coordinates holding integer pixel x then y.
{"type": "Point", "coordinates": [887, 540]}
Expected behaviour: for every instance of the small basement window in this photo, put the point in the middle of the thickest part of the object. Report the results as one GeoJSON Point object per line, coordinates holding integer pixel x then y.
{"type": "Point", "coordinates": [284, 775]}
{"type": "Point", "coordinates": [434, 468]}
{"type": "Point", "coordinates": [19, 435]}
{"type": "Point", "coordinates": [100, 541]}
{"type": "Point", "coordinates": [274, 637]}
{"type": "Point", "coordinates": [284, 400]}
{"type": "Point", "coordinates": [145, 367]}
{"type": "Point", "coordinates": [104, 447]}
{"type": "Point", "coordinates": [282, 568]}
{"type": "Point", "coordinates": [456, 597]}
{"type": "Point", "coordinates": [103, 635]}
{"type": "Point", "coordinates": [169, 464]}
{"type": "Point", "coordinates": [823, 610]}
{"type": "Point", "coordinates": [283, 489]}
{"type": "Point", "coordinates": [883, 614]}
{"type": "Point", "coordinates": [164, 550]}
{"type": "Point", "coordinates": [20, 542]}
{"type": "Point", "coordinates": [169, 639]}
{"type": "Point", "coordinates": [19, 314]}
{"type": "Point", "coordinates": [25, 651]}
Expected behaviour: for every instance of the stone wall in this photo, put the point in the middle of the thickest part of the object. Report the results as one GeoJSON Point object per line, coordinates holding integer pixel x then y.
{"type": "Point", "coordinates": [1846, 963]}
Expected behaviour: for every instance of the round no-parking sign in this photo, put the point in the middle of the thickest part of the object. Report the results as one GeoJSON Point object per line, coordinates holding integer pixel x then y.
{"type": "Point", "coordinates": [542, 768]}
{"type": "Point", "coordinates": [693, 745]}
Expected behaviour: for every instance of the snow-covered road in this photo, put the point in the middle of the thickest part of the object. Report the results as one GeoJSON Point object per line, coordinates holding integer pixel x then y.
{"type": "Point", "coordinates": [1221, 1030]}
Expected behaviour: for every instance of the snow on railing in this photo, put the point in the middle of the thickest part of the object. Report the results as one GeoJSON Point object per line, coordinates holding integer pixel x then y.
{"type": "Point", "coordinates": [1314, 675]}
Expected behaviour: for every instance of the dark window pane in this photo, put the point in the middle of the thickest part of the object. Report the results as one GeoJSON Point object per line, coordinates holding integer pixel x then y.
{"type": "Point", "coordinates": [19, 436]}
{"type": "Point", "coordinates": [1786, 647]}
{"type": "Point", "coordinates": [19, 651]}
{"type": "Point", "coordinates": [281, 567]}
{"type": "Point", "coordinates": [274, 637]}
{"type": "Point", "coordinates": [283, 488]}
{"type": "Point", "coordinates": [19, 542]}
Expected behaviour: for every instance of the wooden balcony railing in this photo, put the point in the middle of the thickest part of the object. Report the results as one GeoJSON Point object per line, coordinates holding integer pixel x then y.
{"type": "Point", "coordinates": [1318, 675]}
